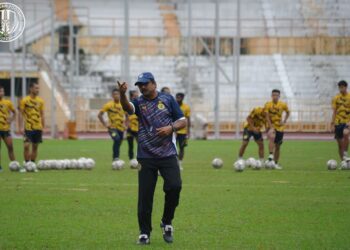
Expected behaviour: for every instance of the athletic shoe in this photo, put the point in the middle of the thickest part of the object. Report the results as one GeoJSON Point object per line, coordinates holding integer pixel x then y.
{"type": "Point", "coordinates": [346, 158]}
{"type": "Point", "coordinates": [167, 232]}
{"type": "Point", "coordinates": [22, 170]}
{"type": "Point", "coordinates": [278, 167]}
{"type": "Point", "coordinates": [143, 240]}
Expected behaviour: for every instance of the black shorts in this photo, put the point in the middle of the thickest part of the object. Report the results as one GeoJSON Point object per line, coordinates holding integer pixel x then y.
{"type": "Point", "coordinates": [247, 134]}
{"type": "Point", "coordinates": [181, 139]}
{"type": "Point", "coordinates": [279, 137]}
{"type": "Point", "coordinates": [339, 130]}
{"type": "Point", "coordinates": [4, 134]}
{"type": "Point", "coordinates": [131, 133]}
{"type": "Point", "coordinates": [33, 136]}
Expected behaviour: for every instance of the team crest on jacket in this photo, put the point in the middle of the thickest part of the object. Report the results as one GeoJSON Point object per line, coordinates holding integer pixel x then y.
{"type": "Point", "coordinates": [160, 105]}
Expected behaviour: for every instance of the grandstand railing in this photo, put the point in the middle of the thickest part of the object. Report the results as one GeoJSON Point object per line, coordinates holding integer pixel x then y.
{"type": "Point", "coordinates": [284, 27]}
{"type": "Point", "coordinates": [289, 26]}
{"type": "Point", "coordinates": [44, 65]}
{"type": "Point", "coordinates": [6, 62]}
{"type": "Point", "coordinates": [42, 27]}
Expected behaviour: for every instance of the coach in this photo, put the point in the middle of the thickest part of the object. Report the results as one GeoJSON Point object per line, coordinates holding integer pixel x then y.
{"type": "Point", "coordinates": [159, 118]}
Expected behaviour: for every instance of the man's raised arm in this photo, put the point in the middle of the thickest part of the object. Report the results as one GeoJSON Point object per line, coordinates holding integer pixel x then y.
{"type": "Point", "coordinates": [127, 106]}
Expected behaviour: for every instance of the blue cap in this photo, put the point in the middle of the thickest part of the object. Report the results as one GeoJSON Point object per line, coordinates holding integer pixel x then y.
{"type": "Point", "coordinates": [144, 78]}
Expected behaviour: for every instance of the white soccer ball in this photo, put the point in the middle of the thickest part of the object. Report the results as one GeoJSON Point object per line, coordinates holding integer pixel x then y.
{"type": "Point", "coordinates": [258, 165]}
{"type": "Point", "coordinates": [118, 164]}
{"type": "Point", "coordinates": [82, 159]}
{"type": "Point", "coordinates": [51, 164]}
{"type": "Point", "coordinates": [45, 164]}
{"type": "Point", "coordinates": [89, 163]}
{"type": "Point", "coordinates": [73, 164]}
{"type": "Point", "coordinates": [332, 164]}
{"type": "Point", "coordinates": [344, 165]}
{"type": "Point", "coordinates": [217, 163]}
{"type": "Point", "coordinates": [270, 164]}
{"type": "Point", "coordinates": [58, 164]}
{"type": "Point", "coordinates": [134, 164]}
{"type": "Point", "coordinates": [250, 162]}
{"type": "Point", "coordinates": [65, 164]}
{"type": "Point", "coordinates": [81, 163]}
{"type": "Point", "coordinates": [239, 165]}
{"type": "Point", "coordinates": [14, 166]}
{"type": "Point", "coordinates": [41, 165]}
{"type": "Point", "coordinates": [30, 166]}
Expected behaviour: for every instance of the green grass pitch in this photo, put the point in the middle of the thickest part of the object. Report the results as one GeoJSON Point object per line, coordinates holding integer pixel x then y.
{"type": "Point", "coordinates": [304, 206]}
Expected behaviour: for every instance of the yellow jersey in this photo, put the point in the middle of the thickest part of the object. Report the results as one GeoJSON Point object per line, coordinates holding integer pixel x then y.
{"type": "Point", "coordinates": [32, 109]}
{"type": "Point", "coordinates": [275, 111]}
{"type": "Point", "coordinates": [187, 113]}
{"type": "Point", "coordinates": [116, 115]}
{"type": "Point", "coordinates": [341, 104]}
{"type": "Point", "coordinates": [6, 107]}
{"type": "Point", "coordinates": [258, 117]}
{"type": "Point", "coordinates": [133, 123]}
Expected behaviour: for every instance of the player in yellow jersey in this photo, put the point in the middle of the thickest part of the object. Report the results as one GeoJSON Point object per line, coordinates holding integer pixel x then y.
{"type": "Point", "coordinates": [32, 110]}
{"type": "Point", "coordinates": [7, 116]}
{"type": "Point", "coordinates": [116, 117]}
{"type": "Point", "coordinates": [183, 134]}
{"type": "Point", "coordinates": [341, 119]}
{"type": "Point", "coordinates": [133, 127]}
{"type": "Point", "coordinates": [275, 125]}
{"type": "Point", "coordinates": [256, 120]}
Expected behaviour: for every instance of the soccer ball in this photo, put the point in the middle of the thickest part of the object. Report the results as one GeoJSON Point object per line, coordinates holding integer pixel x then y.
{"type": "Point", "coordinates": [239, 165]}
{"type": "Point", "coordinates": [217, 163]}
{"type": "Point", "coordinates": [270, 164]}
{"type": "Point", "coordinates": [332, 164]}
{"type": "Point", "coordinates": [45, 165]}
{"type": "Point", "coordinates": [14, 166]}
{"type": "Point", "coordinates": [89, 163]}
{"type": "Point", "coordinates": [30, 166]}
{"type": "Point", "coordinates": [73, 164]}
{"type": "Point", "coordinates": [58, 164]}
{"type": "Point", "coordinates": [50, 164]}
{"type": "Point", "coordinates": [250, 162]}
{"type": "Point", "coordinates": [258, 165]}
{"type": "Point", "coordinates": [41, 165]}
{"type": "Point", "coordinates": [81, 163]}
{"type": "Point", "coordinates": [344, 165]}
{"type": "Point", "coordinates": [134, 164]}
{"type": "Point", "coordinates": [118, 164]}
{"type": "Point", "coordinates": [65, 164]}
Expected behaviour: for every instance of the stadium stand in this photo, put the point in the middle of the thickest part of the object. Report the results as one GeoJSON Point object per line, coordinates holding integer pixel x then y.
{"type": "Point", "coordinates": [280, 41]}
